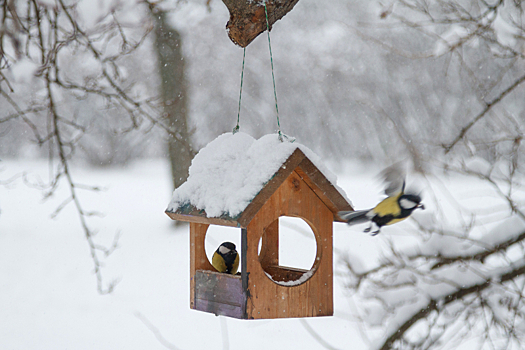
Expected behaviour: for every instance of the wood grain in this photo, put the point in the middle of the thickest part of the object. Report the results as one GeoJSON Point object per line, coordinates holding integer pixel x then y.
{"type": "Point", "coordinates": [248, 19]}
{"type": "Point", "coordinates": [284, 273]}
{"type": "Point", "coordinates": [267, 299]}
{"type": "Point", "coordinates": [198, 258]}
{"type": "Point", "coordinates": [297, 189]}
{"type": "Point", "coordinates": [269, 255]}
{"type": "Point", "coordinates": [219, 293]}
{"type": "Point", "coordinates": [271, 186]}
{"type": "Point", "coordinates": [323, 188]}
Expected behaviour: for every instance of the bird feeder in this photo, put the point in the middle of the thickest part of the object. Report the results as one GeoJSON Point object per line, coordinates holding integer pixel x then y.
{"type": "Point", "coordinates": [264, 289]}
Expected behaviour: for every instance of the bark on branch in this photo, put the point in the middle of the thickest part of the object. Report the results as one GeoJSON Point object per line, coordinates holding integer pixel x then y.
{"type": "Point", "coordinates": [248, 19]}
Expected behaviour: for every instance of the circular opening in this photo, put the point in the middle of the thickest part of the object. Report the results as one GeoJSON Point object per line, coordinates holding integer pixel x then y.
{"type": "Point", "coordinates": [296, 258]}
{"type": "Point", "coordinates": [216, 235]}
{"type": "Point", "coordinates": [297, 245]}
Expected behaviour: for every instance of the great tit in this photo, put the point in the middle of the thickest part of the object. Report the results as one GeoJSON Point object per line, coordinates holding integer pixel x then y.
{"type": "Point", "coordinates": [225, 259]}
{"type": "Point", "coordinates": [396, 207]}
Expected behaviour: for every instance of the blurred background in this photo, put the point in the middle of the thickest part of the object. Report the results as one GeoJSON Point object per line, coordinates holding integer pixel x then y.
{"type": "Point", "coordinates": [352, 81]}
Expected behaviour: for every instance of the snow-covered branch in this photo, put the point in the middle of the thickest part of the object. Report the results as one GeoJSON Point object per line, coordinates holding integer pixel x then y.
{"type": "Point", "coordinates": [411, 298]}
{"type": "Point", "coordinates": [422, 295]}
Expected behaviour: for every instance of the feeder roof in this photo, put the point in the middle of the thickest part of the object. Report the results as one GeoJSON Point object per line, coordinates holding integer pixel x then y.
{"type": "Point", "coordinates": [233, 176]}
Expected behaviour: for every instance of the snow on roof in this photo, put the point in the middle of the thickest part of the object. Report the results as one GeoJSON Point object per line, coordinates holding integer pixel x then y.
{"type": "Point", "coordinates": [230, 171]}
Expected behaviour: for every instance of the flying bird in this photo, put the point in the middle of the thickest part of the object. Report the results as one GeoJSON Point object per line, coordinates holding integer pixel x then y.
{"type": "Point", "coordinates": [396, 207]}
{"type": "Point", "coordinates": [225, 259]}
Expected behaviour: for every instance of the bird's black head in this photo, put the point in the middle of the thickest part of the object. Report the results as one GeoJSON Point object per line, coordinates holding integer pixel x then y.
{"type": "Point", "coordinates": [229, 245]}
{"type": "Point", "coordinates": [226, 248]}
{"type": "Point", "coordinates": [410, 202]}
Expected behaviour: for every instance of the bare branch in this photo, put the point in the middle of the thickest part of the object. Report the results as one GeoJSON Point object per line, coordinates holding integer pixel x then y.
{"type": "Point", "coordinates": [155, 332]}
{"type": "Point", "coordinates": [486, 109]}
{"type": "Point", "coordinates": [316, 336]}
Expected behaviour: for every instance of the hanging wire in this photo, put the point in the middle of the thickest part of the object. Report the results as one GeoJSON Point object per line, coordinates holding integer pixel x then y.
{"type": "Point", "coordinates": [237, 127]}
{"type": "Point", "coordinates": [273, 76]}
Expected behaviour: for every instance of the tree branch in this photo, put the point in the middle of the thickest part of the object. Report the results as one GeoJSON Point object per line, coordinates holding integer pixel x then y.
{"type": "Point", "coordinates": [316, 336]}
{"type": "Point", "coordinates": [443, 261]}
{"type": "Point", "coordinates": [435, 305]}
{"type": "Point", "coordinates": [487, 108]}
{"type": "Point", "coordinates": [155, 332]}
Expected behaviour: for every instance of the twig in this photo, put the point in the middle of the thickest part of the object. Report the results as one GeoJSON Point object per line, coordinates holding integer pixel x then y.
{"type": "Point", "coordinates": [64, 160]}
{"type": "Point", "coordinates": [224, 332]}
{"type": "Point", "coordinates": [316, 336]}
{"type": "Point", "coordinates": [434, 305]}
{"type": "Point", "coordinates": [155, 332]}
{"type": "Point", "coordinates": [488, 107]}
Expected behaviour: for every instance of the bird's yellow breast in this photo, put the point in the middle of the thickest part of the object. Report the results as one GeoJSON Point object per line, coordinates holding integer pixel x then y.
{"type": "Point", "coordinates": [393, 221]}
{"type": "Point", "coordinates": [220, 265]}
{"type": "Point", "coordinates": [388, 206]}
{"type": "Point", "coordinates": [218, 262]}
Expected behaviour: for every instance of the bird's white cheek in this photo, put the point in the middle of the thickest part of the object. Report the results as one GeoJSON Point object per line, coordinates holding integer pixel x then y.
{"type": "Point", "coordinates": [407, 204]}
{"type": "Point", "coordinates": [223, 249]}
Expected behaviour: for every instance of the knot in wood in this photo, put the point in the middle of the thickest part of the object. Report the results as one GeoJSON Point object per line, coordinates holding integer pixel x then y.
{"type": "Point", "coordinates": [296, 185]}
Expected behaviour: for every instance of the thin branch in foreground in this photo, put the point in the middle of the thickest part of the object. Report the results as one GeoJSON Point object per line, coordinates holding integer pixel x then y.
{"type": "Point", "coordinates": [155, 332]}
{"type": "Point", "coordinates": [12, 179]}
{"type": "Point", "coordinates": [49, 35]}
{"type": "Point", "coordinates": [488, 107]}
{"type": "Point", "coordinates": [60, 207]}
{"type": "Point", "coordinates": [224, 332]}
{"type": "Point", "coordinates": [434, 305]}
{"type": "Point", "coordinates": [114, 245]}
{"type": "Point", "coordinates": [316, 336]}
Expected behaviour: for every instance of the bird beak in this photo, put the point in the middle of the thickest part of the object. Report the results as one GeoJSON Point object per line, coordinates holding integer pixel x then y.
{"type": "Point", "coordinates": [421, 206]}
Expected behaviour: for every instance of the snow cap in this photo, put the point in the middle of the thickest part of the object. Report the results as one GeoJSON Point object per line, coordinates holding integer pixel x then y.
{"type": "Point", "coordinates": [227, 174]}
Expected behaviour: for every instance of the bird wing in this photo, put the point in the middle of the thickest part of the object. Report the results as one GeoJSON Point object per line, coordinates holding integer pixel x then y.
{"type": "Point", "coordinates": [235, 265]}
{"type": "Point", "coordinates": [388, 206]}
{"type": "Point", "coordinates": [218, 262]}
{"type": "Point", "coordinates": [394, 178]}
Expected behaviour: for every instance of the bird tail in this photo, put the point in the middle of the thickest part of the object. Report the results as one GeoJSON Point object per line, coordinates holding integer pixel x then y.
{"type": "Point", "coordinates": [354, 217]}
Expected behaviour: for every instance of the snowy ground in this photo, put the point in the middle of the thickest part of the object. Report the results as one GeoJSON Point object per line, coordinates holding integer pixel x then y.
{"type": "Point", "coordinates": [48, 297]}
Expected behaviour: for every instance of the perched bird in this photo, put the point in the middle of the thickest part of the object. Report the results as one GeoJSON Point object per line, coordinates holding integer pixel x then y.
{"type": "Point", "coordinates": [225, 259]}
{"type": "Point", "coordinates": [396, 207]}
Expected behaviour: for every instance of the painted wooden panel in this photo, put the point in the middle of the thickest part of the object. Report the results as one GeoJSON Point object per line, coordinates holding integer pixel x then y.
{"type": "Point", "coordinates": [220, 294]}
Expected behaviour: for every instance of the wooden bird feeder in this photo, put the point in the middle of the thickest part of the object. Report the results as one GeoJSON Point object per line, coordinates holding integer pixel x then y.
{"type": "Point", "coordinates": [264, 289]}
